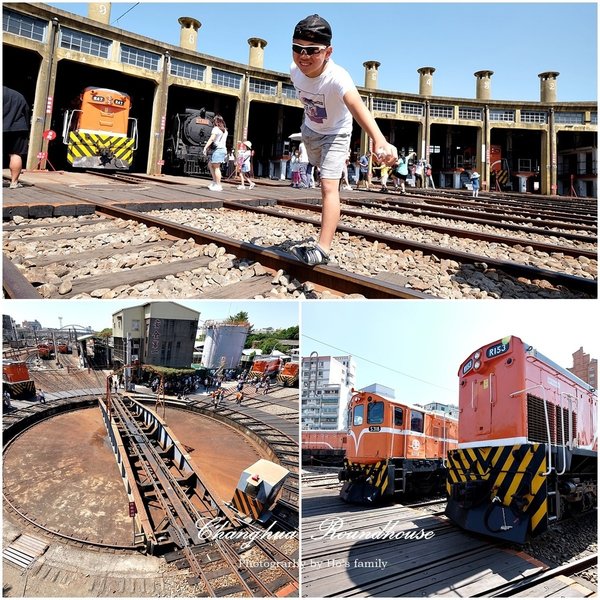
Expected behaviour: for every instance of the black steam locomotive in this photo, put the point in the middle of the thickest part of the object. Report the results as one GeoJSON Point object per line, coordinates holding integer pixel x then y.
{"type": "Point", "coordinates": [184, 145]}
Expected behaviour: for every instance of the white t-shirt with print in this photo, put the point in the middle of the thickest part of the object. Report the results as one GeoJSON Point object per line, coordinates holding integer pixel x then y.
{"type": "Point", "coordinates": [323, 99]}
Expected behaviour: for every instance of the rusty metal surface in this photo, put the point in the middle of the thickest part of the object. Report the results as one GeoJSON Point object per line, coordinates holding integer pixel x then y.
{"type": "Point", "coordinates": [220, 452]}
{"type": "Point", "coordinates": [14, 284]}
{"type": "Point", "coordinates": [62, 472]}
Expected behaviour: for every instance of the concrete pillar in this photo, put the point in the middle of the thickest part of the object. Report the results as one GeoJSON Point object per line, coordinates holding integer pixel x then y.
{"type": "Point", "coordinates": [257, 52]}
{"type": "Point", "coordinates": [371, 73]}
{"type": "Point", "coordinates": [188, 36]}
{"type": "Point", "coordinates": [44, 101]}
{"type": "Point", "coordinates": [548, 86]}
{"type": "Point", "coordinates": [99, 11]}
{"type": "Point", "coordinates": [426, 80]}
{"type": "Point", "coordinates": [484, 84]}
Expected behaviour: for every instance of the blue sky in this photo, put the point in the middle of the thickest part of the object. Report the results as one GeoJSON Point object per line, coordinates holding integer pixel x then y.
{"type": "Point", "coordinates": [418, 346]}
{"type": "Point", "coordinates": [98, 314]}
{"type": "Point", "coordinates": [516, 40]}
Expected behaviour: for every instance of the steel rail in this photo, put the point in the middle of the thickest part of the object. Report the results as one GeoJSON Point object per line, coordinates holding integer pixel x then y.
{"type": "Point", "coordinates": [325, 276]}
{"type": "Point", "coordinates": [517, 269]}
{"type": "Point", "coordinates": [471, 216]}
{"type": "Point", "coordinates": [161, 490]}
{"type": "Point", "coordinates": [516, 203]}
{"type": "Point", "coordinates": [15, 284]}
{"type": "Point", "coordinates": [462, 233]}
{"type": "Point", "coordinates": [514, 588]}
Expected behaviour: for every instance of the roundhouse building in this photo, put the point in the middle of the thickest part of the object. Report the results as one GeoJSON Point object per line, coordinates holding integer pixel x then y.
{"type": "Point", "coordinates": [50, 55]}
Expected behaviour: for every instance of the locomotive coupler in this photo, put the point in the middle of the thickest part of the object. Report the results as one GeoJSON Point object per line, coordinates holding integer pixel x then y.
{"type": "Point", "coordinates": [504, 526]}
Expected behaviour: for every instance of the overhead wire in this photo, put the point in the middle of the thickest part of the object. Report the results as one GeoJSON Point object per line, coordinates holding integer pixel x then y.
{"type": "Point", "coordinates": [377, 364]}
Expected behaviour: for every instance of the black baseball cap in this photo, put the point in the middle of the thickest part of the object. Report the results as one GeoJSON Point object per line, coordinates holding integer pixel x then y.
{"type": "Point", "coordinates": [314, 29]}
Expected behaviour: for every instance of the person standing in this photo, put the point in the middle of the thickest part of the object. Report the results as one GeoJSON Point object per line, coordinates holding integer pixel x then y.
{"type": "Point", "coordinates": [402, 171]}
{"type": "Point", "coordinates": [474, 177]}
{"type": "Point", "coordinates": [218, 143]}
{"type": "Point", "coordinates": [295, 169]}
{"type": "Point", "coordinates": [345, 181]}
{"type": "Point", "coordinates": [429, 177]}
{"type": "Point", "coordinates": [15, 133]}
{"type": "Point", "coordinates": [303, 165]}
{"type": "Point", "coordinates": [245, 161]}
{"type": "Point", "coordinates": [363, 171]}
{"type": "Point", "coordinates": [330, 101]}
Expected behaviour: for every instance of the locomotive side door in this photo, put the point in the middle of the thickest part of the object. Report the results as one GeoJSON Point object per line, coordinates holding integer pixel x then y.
{"type": "Point", "coordinates": [398, 436]}
{"type": "Point", "coordinates": [415, 438]}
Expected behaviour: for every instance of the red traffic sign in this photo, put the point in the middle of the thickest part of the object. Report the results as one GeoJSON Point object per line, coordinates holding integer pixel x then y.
{"type": "Point", "coordinates": [49, 134]}
{"type": "Point", "coordinates": [132, 509]}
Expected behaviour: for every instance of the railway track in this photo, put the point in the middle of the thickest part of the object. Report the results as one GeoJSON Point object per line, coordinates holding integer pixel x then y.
{"type": "Point", "coordinates": [350, 551]}
{"type": "Point", "coordinates": [189, 509]}
{"type": "Point", "coordinates": [178, 259]}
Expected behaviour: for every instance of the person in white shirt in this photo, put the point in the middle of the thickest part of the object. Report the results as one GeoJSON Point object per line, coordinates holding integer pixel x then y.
{"type": "Point", "coordinates": [330, 101]}
{"type": "Point", "coordinates": [217, 142]}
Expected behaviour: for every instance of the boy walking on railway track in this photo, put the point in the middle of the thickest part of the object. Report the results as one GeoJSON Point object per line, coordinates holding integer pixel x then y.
{"type": "Point", "coordinates": [330, 101]}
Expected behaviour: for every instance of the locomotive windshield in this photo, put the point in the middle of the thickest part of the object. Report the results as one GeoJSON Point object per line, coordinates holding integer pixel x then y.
{"type": "Point", "coordinates": [375, 413]}
{"type": "Point", "coordinates": [359, 414]}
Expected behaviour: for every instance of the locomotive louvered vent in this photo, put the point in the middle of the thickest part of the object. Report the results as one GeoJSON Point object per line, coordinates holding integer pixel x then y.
{"type": "Point", "coordinates": [536, 421]}
{"type": "Point", "coordinates": [562, 424]}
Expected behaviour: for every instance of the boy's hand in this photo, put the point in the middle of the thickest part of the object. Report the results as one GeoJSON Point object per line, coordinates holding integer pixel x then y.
{"type": "Point", "coordinates": [387, 154]}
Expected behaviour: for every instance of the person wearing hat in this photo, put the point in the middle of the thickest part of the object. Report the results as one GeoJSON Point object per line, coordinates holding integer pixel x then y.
{"type": "Point", "coordinates": [330, 101]}
{"type": "Point", "coordinates": [245, 162]}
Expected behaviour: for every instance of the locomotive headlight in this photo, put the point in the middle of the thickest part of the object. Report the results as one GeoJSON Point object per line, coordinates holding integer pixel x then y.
{"type": "Point", "coordinates": [477, 355]}
{"type": "Point", "coordinates": [477, 364]}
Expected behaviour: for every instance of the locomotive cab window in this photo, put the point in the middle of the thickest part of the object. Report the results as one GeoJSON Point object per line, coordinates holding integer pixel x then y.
{"type": "Point", "coordinates": [416, 421]}
{"type": "Point", "coordinates": [359, 414]}
{"type": "Point", "coordinates": [375, 413]}
{"type": "Point", "coordinates": [398, 417]}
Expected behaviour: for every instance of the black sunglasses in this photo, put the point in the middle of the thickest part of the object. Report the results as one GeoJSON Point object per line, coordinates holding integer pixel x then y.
{"type": "Point", "coordinates": [308, 50]}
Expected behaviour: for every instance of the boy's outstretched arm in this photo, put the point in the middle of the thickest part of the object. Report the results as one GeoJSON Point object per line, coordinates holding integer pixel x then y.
{"type": "Point", "coordinates": [386, 153]}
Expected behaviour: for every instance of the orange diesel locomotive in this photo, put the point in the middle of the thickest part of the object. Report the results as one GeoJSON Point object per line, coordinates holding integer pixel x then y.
{"type": "Point", "coordinates": [99, 133]}
{"type": "Point", "coordinates": [288, 376]}
{"type": "Point", "coordinates": [323, 447]}
{"type": "Point", "coordinates": [268, 365]}
{"type": "Point", "coordinates": [393, 448]}
{"type": "Point", "coordinates": [527, 451]}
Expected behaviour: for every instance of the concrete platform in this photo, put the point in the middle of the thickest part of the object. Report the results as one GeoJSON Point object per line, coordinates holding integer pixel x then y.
{"type": "Point", "coordinates": [65, 193]}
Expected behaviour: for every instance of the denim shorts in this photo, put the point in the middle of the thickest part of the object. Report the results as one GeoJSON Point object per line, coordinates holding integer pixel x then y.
{"type": "Point", "coordinates": [328, 152]}
{"type": "Point", "coordinates": [218, 156]}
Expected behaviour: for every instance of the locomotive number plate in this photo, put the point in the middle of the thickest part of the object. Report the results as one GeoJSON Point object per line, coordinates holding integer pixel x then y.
{"type": "Point", "coordinates": [201, 121]}
{"type": "Point", "coordinates": [497, 350]}
{"type": "Point", "coordinates": [374, 428]}
{"type": "Point", "coordinates": [467, 366]}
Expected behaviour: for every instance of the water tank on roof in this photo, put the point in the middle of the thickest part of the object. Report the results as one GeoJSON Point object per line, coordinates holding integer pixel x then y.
{"type": "Point", "coordinates": [224, 340]}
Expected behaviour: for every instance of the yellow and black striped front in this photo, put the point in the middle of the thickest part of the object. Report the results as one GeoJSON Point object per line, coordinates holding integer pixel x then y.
{"type": "Point", "coordinates": [247, 505]}
{"type": "Point", "coordinates": [100, 150]}
{"type": "Point", "coordinates": [366, 483]}
{"type": "Point", "coordinates": [21, 389]}
{"type": "Point", "coordinates": [500, 491]}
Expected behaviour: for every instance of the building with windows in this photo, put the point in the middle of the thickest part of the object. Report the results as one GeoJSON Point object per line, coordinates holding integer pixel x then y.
{"type": "Point", "coordinates": [585, 367]}
{"type": "Point", "coordinates": [327, 383]}
{"type": "Point", "coordinates": [544, 146]}
{"type": "Point", "coordinates": [159, 334]}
